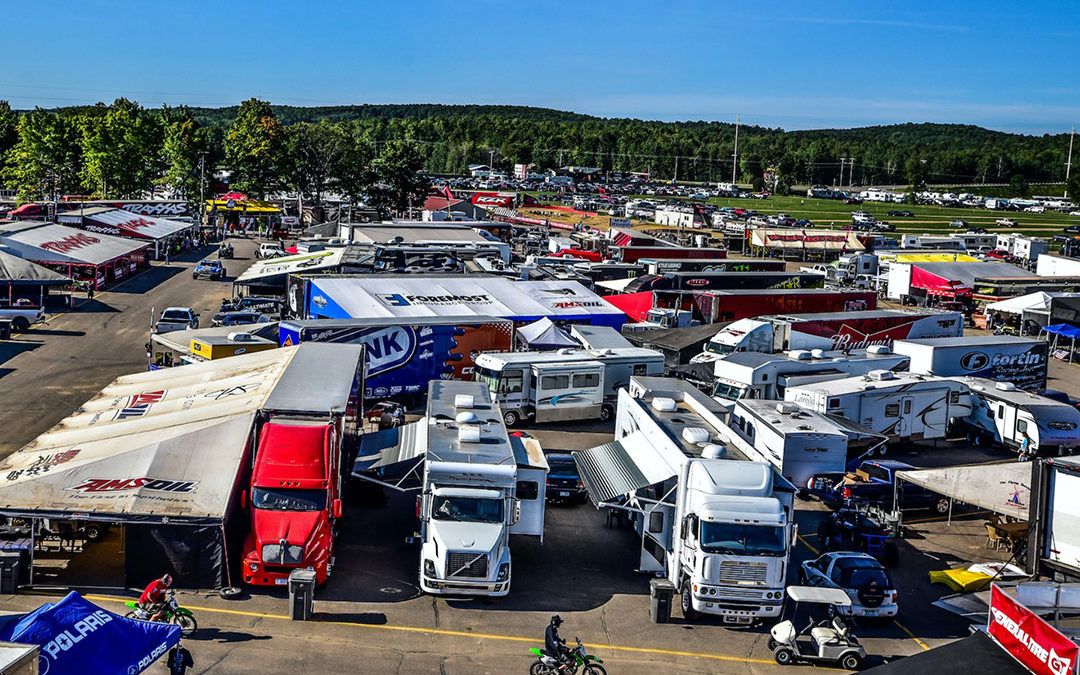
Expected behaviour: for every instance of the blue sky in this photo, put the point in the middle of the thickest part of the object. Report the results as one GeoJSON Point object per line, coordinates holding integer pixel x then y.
{"type": "Point", "coordinates": [1013, 66]}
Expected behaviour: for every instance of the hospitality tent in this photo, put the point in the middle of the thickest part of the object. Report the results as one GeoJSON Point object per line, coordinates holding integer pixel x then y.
{"type": "Point", "coordinates": [1003, 488]}
{"type": "Point", "coordinates": [82, 255]}
{"type": "Point", "coordinates": [405, 296]}
{"type": "Point", "coordinates": [164, 452]}
{"type": "Point", "coordinates": [273, 272]}
{"type": "Point", "coordinates": [31, 280]}
{"type": "Point", "coordinates": [122, 223]}
{"type": "Point", "coordinates": [545, 335]}
{"type": "Point", "coordinates": [76, 636]}
{"type": "Point", "coordinates": [823, 243]}
{"type": "Point", "coordinates": [1019, 304]}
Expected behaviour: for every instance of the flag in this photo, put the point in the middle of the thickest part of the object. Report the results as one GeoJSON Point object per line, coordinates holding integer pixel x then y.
{"type": "Point", "coordinates": [446, 193]}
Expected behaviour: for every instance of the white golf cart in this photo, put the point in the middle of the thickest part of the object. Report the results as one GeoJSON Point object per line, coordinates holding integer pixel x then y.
{"type": "Point", "coordinates": [824, 642]}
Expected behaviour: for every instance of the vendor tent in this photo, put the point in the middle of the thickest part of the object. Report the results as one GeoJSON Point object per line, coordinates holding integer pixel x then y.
{"type": "Point", "coordinates": [273, 272]}
{"type": "Point", "coordinates": [1022, 303]}
{"type": "Point", "coordinates": [545, 335]}
{"type": "Point", "coordinates": [77, 637]}
{"type": "Point", "coordinates": [122, 223]}
{"type": "Point", "coordinates": [49, 243]}
{"type": "Point", "coordinates": [785, 239]}
{"type": "Point", "coordinates": [1003, 488]}
{"type": "Point", "coordinates": [14, 271]}
{"type": "Point", "coordinates": [977, 653]}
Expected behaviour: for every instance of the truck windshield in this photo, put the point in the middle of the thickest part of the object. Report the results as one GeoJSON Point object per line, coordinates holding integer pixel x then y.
{"type": "Point", "coordinates": [731, 392]}
{"type": "Point", "coordinates": [467, 509]}
{"type": "Point", "coordinates": [280, 499]}
{"type": "Point", "coordinates": [487, 376]}
{"type": "Point", "coordinates": [736, 539]}
{"type": "Point", "coordinates": [718, 348]}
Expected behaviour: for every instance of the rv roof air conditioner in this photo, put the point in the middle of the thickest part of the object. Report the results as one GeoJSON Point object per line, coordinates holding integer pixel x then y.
{"type": "Point", "coordinates": [840, 359]}
{"type": "Point", "coordinates": [464, 401]}
{"type": "Point", "coordinates": [714, 451]}
{"type": "Point", "coordinates": [878, 350]}
{"type": "Point", "coordinates": [799, 355]}
{"type": "Point", "coordinates": [786, 408]}
{"type": "Point", "coordinates": [566, 350]}
{"type": "Point", "coordinates": [663, 404]}
{"type": "Point", "coordinates": [880, 375]}
{"type": "Point", "coordinates": [696, 435]}
{"type": "Point", "coordinates": [469, 433]}
{"type": "Point", "coordinates": [1005, 386]}
{"type": "Point", "coordinates": [817, 353]}
{"type": "Point", "coordinates": [467, 417]}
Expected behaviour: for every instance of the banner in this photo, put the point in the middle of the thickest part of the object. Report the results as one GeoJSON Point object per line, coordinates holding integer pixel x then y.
{"type": "Point", "coordinates": [1037, 645]}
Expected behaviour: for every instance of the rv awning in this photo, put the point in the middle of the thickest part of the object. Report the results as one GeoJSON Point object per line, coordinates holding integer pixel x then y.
{"type": "Point", "coordinates": [621, 468]}
{"type": "Point", "coordinates": [1003, 488]}
{"type": "Point", "coordinates": [393, 457]}
{"type": "Point", "coordinates": [276, 269]}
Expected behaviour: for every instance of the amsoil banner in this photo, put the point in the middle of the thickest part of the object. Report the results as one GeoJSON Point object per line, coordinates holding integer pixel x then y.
{"type": "Point", "coordinates": [1037, 645]}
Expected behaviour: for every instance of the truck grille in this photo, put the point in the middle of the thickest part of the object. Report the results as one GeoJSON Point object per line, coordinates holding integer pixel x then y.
{"type": "Point", "coordinates": [735, 571]}
{"type": "Point", "coordinates": [751, 594]}
{"type": "Point", "coordinates": [289, 554]}
{"type": "Point", "coordinates": [464, 564]}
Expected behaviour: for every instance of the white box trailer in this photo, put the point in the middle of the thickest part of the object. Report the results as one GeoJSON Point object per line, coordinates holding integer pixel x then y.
{"type": "Point", "coordinates": [900, 406]}
{"type": "Point", "coordinates": [1004, 358]}
{"type": "Point", "coordinates": [799, 443]}
{"type": "Point", "coordinates": [757, 375]}
{"type": "Point", "coordinates": [1025, 422]}
{"type": "Point", "coordinates": [1054, 519]}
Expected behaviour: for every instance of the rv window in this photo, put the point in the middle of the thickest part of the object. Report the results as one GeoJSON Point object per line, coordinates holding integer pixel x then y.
{"type": "Point", "coordinates": [1021, 426]}
{"type": "Point", "coordinates": [587, 380]}
{"type": "Point", "coordinates": [765, 377]}
{"type": "Point", "coordinates": [892, 410]}
{"type": "Point", "coordinates": [512, 385]}
{"type": "Point", "coordinates": [834, 403]}
{"type": "Point", "coordinates": [907, 406]}
{"type": "Point", "coordinates": [528, 490]}
{"type": "Point", "coordinates": [555, 382]}
{"type": "Point", "coordinates": [954, 397]}
{"type": "Point", "coordinates": [656, 522]}
{"type": "Point", "coordinates": [1001, 411]}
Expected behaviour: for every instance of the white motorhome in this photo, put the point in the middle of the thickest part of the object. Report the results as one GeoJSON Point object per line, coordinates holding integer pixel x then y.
{"type": "Point", "coordinates": [756, 375]}
{"type": "Point", "coordinates": [901, 406]}
{"type": "Point", "coordinates": [718, 526]}
{"type": "Point", "coordinates": [1026, 422]}
{"type": "Point", "coordinates": [799, 443]}
{"type": "Point", "coordinates": [474, 494]}
{"type": "Point", "coordinates": [564, 385]}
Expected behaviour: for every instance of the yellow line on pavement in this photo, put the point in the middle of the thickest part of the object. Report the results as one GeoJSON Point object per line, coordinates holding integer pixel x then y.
{"type": "Point", "coordinates": [454, 633]}
{"type": "Point", "coordinates": [808, 545]}
{"type": "Point", "coordinates": [912, 636]}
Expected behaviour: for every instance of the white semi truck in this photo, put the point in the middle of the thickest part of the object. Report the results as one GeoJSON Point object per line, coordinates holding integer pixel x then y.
{"type": "Point", "coordinates": [564, 385]}
{"type": "Point", "coordinates": [716, 525]}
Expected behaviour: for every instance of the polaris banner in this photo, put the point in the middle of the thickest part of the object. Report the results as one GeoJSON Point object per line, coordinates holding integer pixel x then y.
{"type": "Point", "coordinates": [77, 637]}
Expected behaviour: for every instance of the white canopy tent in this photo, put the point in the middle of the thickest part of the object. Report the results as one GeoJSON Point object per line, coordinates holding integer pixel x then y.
{"type": "Point", "coordinates": [1003, 488]}
{"type": "Point", "coordinates": [544, 334]}
{"type": "Point", "coordinates": [1017, 305]}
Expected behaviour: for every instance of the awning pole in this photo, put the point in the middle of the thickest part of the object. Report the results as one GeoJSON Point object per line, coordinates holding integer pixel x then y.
{"type": "Point", "coordinates": [33, 545]}
{"type": "Point", "coordinates": [949, 523]}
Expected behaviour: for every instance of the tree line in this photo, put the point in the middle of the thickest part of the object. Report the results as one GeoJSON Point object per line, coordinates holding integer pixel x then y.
{"type": "Point", "coordinates": [123, 149]}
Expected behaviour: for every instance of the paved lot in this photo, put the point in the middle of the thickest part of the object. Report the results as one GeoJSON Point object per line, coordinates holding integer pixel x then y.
{"type": "Point", "coordinates": [371, 617]}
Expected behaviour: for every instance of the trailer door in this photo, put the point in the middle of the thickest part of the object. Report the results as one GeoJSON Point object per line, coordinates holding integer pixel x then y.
{"type": "Point", "coordinates": [903, 424]}
{"type": "Point", "coordinates": [656, 536]}
{"type": "Point", "coordinates": [1062, 544]}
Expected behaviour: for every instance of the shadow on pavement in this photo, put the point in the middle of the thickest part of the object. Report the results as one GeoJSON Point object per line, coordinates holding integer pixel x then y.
{"type": "Point", "coordinates": [59, 333]}
{"type": "Point", "coordinates": [84, 306]}
{"type": "Point", "coordinates": [151, 278]}
{"type": "Point", "coordinates": [368, 618]}
{"type": "Point", "coordinates": [218, 635]}
{"type": "Point", "coordinates": [11, 349]}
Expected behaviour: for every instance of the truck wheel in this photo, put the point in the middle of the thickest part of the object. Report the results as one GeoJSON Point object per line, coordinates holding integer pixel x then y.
{"type": "Point", "coordinates": [941, 506]}
{"type": "Point", "coordinates": [93, 532]}
{"type": "Point", "coordinates": [605, 413]}
{"type": "Point", "coordinates": [510, 418]}
{"type": "Point", "coordinates": [850, 662]}
{"type": "Point", "coordinates": [686, 601]}
{"type": "Point", "coordinates": [21, 324]}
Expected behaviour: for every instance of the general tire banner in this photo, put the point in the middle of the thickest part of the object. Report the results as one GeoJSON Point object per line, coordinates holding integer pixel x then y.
{"type": "Point", "coordinates": [1037, 645]}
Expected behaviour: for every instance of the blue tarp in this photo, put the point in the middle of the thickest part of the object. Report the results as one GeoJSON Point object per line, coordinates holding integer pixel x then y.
{"type": "Point", "coordinates": [78, 637]}
{"type": "Point", "coordinates": [1063, 329]}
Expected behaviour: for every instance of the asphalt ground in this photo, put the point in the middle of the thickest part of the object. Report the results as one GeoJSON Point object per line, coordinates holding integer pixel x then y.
{"type": "Point", "coordinates": [370, 617]}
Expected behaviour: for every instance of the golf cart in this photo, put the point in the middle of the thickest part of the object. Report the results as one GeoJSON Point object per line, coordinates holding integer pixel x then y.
{"type": "Point", "coordinates": [824, 642]}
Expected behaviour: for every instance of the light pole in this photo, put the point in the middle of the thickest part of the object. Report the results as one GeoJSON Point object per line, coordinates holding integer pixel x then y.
{"type": "Point", "coordinates": [1068, 164]}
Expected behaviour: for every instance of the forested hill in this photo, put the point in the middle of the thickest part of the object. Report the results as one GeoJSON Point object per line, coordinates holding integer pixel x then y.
{"type": "Point", "coordinates": [343, 113]}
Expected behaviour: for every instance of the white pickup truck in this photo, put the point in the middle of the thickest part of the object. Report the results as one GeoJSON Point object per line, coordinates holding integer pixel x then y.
{"type": "Point", "coordinates": [22, 314]}
{"type": "Point", "coordinates": [176, 318]}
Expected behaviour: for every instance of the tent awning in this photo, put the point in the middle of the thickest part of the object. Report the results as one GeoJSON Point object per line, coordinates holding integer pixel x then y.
{"type": "Point", "coordinates": [252, 207]}
{"type": "Point", "coordinates": [544, 334]}
{"type": "Point", "coordinates": [1020, 304]}
{"type": "Point", "coordinates": [265, 271]}
{"type": "Point", "coordinates": [977, 653]}
{"type": "Point", "coordinates": [49, 243]}
{"type": "Point", "coordinates": [127, 224]}
{"type": "Point", "coordinates": [15, 270]}
{"type": "Point", "coordinates": [1062, 329]}
{"type": "Point", "coordinates": [1002, 488]}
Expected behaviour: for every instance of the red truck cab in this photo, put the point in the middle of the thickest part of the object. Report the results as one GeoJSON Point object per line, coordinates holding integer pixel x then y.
{"type": "Point", "coordinates": [295, 500]}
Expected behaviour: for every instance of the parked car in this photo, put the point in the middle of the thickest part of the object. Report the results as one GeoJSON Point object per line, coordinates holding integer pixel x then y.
{"type": "Point", "coordinates": [900, 214]}
{"type": "Point", "coordinates": [238, 319]}
{"type": "Point", "coordinates": [1005, 222]}
{"type": "Point", "coordinates": [872, 482]}
{"type": "Point", "coordinates": [23, 313]}
{"type": "Point", "coordinates": [209, 268]}
{"type": "Point", "coordinates": [270, 249]}
{"type": "Point", "coordinates": [863, 528]}
{"type": "Point", "coordinates": [1072, 229]}
{"type": "Point", "coordinates": [563, 481]}
{"type": "Point", "coordinates": [1036, 209]}
{"type": "Point", "coordinates": [176, 318]}
{"type": "Point", "coordinates": [860, 576]}
{"type": "Point", "coordinates": [977, 230]}
{"type": "Point", "coordinates": [376, 411]}
{"type": "Point", "coordinates": [958, 224]}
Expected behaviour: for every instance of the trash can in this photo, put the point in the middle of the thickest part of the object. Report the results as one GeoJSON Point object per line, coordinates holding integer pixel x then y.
{"type": "Point", "coordinates": [661, 592]}
{"type": "Point", "coordinates": [301, 594]}
{"type": "Point", "coordinates": [5, 329]}
{"type": "Point", "coordinates": [10, 571]}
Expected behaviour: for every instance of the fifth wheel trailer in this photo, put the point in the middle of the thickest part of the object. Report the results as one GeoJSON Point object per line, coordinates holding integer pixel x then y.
{"type": "Point", "coordinates": [1020, 420]}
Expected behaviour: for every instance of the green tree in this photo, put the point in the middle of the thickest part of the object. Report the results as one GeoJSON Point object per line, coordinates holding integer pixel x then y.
{"type": "Point", "coordinates": [398, 169]}
{"type": "Point", "coordinates": [315, 153]}
{"type": "Point", "coordinates": [1072, 187]}
{"type": "Point", "coordinates": [253, 148]}
{"type": "Point", "coordinates": [1018, 186]}
{"type": "Point", "coordinates": [916, 176]}
{"type": "Point", "coordinates": [184, 145]}
{"type": "Point", "coordinates": [47, 157]}
{"type": "Point", "coordinates": [121, 150]}
{"type": "Point", "coordinates": [355, 176]}
{"type": "Point", "coordinates": [9, 135]}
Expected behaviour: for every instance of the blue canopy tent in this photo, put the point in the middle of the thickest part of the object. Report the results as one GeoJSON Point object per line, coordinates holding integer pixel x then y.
{"type": "Point", "coordinates": [1060, 330]}
{"type": "Point", "coordinates": [77, 637]}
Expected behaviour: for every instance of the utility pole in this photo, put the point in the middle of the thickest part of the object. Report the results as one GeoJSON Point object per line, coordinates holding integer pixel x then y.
{"type": "Point", "coordinates": [676, 178]}
{"type": "Point", "coordinates": [851, 176]}
{"type": "Point", "coordinates": [842, 160]}
{"type": "Point", "coordinates": [1068, 164]}
{"type": "Point", "coordinates": [735, 155]}
{"type": "Point", "coordinates": [202, 190]}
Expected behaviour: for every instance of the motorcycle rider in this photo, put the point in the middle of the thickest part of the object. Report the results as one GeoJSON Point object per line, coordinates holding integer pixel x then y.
{"type": "Point", "coordinates": [152, 599]}
{"type": "Point", "coordinates": [554, 645]}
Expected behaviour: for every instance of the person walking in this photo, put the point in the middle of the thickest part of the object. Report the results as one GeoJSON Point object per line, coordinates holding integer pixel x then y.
{"type": "Point", "coordinates": [90, 292]}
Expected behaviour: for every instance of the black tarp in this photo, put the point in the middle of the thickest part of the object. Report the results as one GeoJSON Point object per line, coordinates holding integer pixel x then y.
{"type": "Point", "coordinates": [977, 653]}
{"type": "Point", "coordinates": [193, 555]}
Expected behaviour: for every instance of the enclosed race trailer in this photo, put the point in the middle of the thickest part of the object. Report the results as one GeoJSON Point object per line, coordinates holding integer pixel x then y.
{"type": "Point", "coordinates": [1002, 358]}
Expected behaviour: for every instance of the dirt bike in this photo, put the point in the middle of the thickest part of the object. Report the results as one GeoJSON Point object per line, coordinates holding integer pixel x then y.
{"type": "Point", "coordinates": [547, 664]}
{"type": "Point", "coordinates": [171, 613]}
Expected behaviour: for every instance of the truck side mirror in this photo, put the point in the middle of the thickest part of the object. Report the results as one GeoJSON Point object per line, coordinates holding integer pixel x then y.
{"type": "Point", "coordinates": [243, 499]}
{"type": "Point", "coordinates": [517, 512]}
{"type": "Point", "coordinates": [337, 508]}
{"type": "Point", "coordinates": [419, 504]}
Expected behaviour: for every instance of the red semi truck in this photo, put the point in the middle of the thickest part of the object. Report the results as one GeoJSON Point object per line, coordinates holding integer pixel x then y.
{"type": "Point", "coordinates": [295, 500]}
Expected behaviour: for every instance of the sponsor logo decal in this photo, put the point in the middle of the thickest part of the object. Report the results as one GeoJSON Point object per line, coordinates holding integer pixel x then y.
{"type": "Point", "coordinates": [398, 300]}
{"type": "Point", "coordinates": [71, 637]}
{"type": "Point", "coordinates": [109, 485]}
{"type": "Point", "coordinates": [71, 243]}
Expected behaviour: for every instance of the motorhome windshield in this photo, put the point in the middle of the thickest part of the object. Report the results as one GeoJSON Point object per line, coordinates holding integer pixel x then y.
{"type": "Point", "coordinates": [719, 348]}
{"type": "Point", "coordinates": [729, 390]}
{"type": "Point", "coordinates": [468, 509]}
{"type": "Point", "coordinates": [278, 499]}
{"type": "Point", "coordinates": [736, 539]}
{"type": "Point", "coordinates": [499, 382]}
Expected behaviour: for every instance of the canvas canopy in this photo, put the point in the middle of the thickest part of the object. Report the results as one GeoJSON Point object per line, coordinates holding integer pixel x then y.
{"type": "Point", "coordinates": [1020, 304]}
{"type": "Point", "coordinates": [49, 243]}
{"type": "Point", "coordinates": [1063, 329]}
{"type": "Point", "coordinates": [127, 224]}
{"type": "Point", "coordinates": [16, 271]}
{"type": "Point", "coordinates": [166, 446]}
{"type": "Point", "coordinates": [544, 334]}
{"type": "Point", "coordinates": [77, 637]}
{"type": "Point", "coordinates": [274, 269]}
{"type": "Point", "coordinates": [1002, 488]}
{"type": "Point", "coordinates": [414, 295]}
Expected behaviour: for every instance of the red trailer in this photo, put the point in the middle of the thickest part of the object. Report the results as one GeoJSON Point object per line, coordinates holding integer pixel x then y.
{"type": "Point", "coordinates": [635, 253]}
{"type": "Point", "coordinates": [715, 306]}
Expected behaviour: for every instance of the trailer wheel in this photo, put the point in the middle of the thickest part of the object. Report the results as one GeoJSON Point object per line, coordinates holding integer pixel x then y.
{"type": "Point", "coordinates": [605, 413]}
{"type": "Point", "coordinates": [941, 506]}
{"type": "Point", "coordinates": [510, 418]}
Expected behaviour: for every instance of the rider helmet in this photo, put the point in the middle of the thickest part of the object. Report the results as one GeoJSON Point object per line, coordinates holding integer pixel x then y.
{"type": "Point", "coordinates": [556, 620]}
{"type": "Point", "coordinates": [167, 580]}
